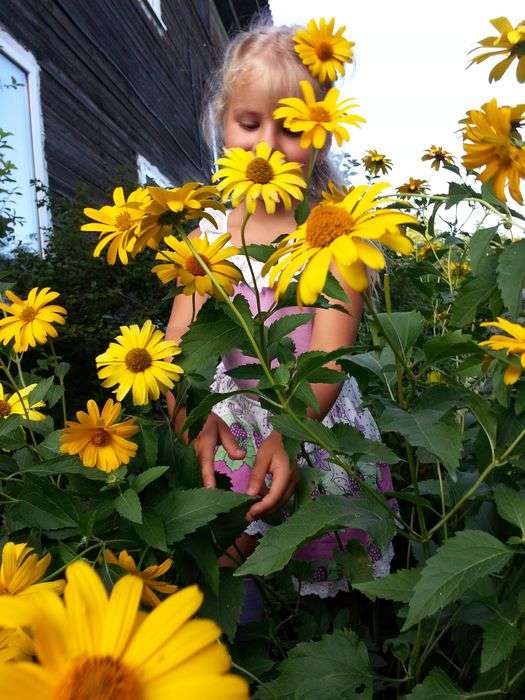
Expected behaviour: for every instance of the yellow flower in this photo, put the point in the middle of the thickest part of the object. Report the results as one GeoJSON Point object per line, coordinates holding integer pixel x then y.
{"type": "Point", "coordinates": [149, 576]}
{"type": "Point", "coordinates": [323, 51]}
{"type": "Point", "coordinates": [434, 377]}
{"type": "Point", "coordinates": [164, 208]}
{"type": "Point", "coordinates": [117, 225]}
{"type": "Point", "coordinates": [136, 363]}
{"type": "Point", "coordinates": [413, 186]}
{"type": "Point", "coordinates": [98, 440]}
{"type": "Point", "coordinates": [493, 147]}
{"type": "Point", "coordinates": [94, 647]}
{"type": "Point", "coordinates": [21, 571]}
{"type": "Point", "coordinates": [184, 267]}
{"type": "Point", "coordinates": [20, 404]}
{"type": "Point", "coordinates": [340, 233]}
{"type": "Point", "coordinates": [315, 119]}
{"type": "Point", "coordinates": [376, 163]}
{"type": "Point", "coordinates": [335, 194]}
{"type": "Point", "coordinates": [427, 248]}
{"type": "Point", "coordinates": [513, 343]}
{"type": "Point", "coordinates": [30, 321]}
{"type": "Point", "coordinates": [247, 175]}
{"type": "Point", "coordinates": [456, 271]}
{"type": "Point", "coordinates": [15, 645]}
{"type": "Point", "coordinates": [439, 156]}
{"type": "Point", "coordinates": [510, 43]}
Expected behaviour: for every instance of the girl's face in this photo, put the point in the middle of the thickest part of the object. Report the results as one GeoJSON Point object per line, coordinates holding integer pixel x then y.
{"type": "Point", "coordinates": [248, 120]}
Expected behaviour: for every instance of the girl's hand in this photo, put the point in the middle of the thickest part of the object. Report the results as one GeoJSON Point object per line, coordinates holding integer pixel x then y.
{"type": "Point", "coordinates": [214, 432]}
{"type": "Point", "coordinates": [271, 459]}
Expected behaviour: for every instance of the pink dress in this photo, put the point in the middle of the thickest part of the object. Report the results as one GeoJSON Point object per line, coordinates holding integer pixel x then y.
{"type": "Point", "coordinates": [251, 424]}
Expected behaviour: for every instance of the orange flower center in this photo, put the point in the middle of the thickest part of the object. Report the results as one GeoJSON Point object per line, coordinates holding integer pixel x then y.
{"type": "Point", "coordinates": [326, 223]}
{"type": "Point", "coordinates": [100, 437]}
{"type": "Point", "coordinates": [123, 221]}
{"type": "Point", "coordinates": [28, 314]}
{"type": "Point", "coordinates": [260, 171]}
{"type": "Point", "coordinates": [325, 51]}
{"type": "Point", "coordinates": [318, 113]}
{"type": "Point", "coordinates": [98, 678]}
{"type": "Point", "coordinates": [194, 266]}
{"type": "Point", "coordinates": [138, 360]}
{"type": "Point", "coordinates": [5, 408]}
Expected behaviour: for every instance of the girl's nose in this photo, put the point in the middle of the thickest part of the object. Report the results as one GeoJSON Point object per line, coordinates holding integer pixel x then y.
{"type": "Point", "coordinates": [270, 134]}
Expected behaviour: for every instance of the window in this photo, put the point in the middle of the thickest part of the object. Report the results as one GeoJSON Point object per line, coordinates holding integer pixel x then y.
{"type": "Point", "coordinates": [148, 173]}
{"type": "Point", "coordinates": [20, 115]}
{"type": "Point", "coordinates": [153, 9]}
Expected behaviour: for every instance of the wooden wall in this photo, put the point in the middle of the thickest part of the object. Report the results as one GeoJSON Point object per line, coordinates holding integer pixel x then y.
{"type": "Point", "coordinates": [114, 83]}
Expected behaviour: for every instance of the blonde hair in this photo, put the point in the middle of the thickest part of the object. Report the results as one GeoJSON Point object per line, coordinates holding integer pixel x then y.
{"type": "Point", "coordinates": [265, 46]}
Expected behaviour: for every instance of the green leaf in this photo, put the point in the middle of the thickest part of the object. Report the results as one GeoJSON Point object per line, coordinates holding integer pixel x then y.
{"type": "Point", "coordinates": [301, 211]}
{"type": "Point", "coordinates": [472, 294]}
{"type": "Point", "coordinates": [337, 666]}
{"type": "Point", "coordinates": [201, 547]}
{"type": "Point", "coordinates": [398, 586]}
{"type": "Point", "coordinates": [58, 465]}
{"type": "Point", "coordinates": [225, 608]}
{"type": "Point", "coordinates": [353, 443]}
{"type": "Point", "coordinates": [152, 530]}
{"type": "Point", "coordinates": [127, 505]}
{"type": "Point", "coordinates": [450, 345]}
{"type": "Point", "coordinates": [147, 477]}
{"type": "Point", "coordinates": [185, 511]}
{"type": "Point", "coordinates": [312, 520]}
{"type": "Point", "coordinates": [401, 329]}
{"type": "Point", "coordinates": [424, 429]}
{"type": "Point", "coordinates": [47, 507]}
{"type": "Point", "coordinates": [456, 566]}
{"type": "Point", "coordinates": [309, 361]}
{"type": "Point", "coordinates": [212, 334]}
{"type": "Point", "coordinates": [354, 563]}
{"type": "Point", "coordinates": [62, 369]}
{"type": "Point", "coordinates": [285, 325]}
{"type": "Point", "coordinates": [511, 506]}
{"type": "Point", "coordinates": [54, 395]}
{"type": "Point", "coordinates": [333, 289]}
{"type": "Point", "coordinates": [511, 276]}
{"type": "Point", "coordinates": [150, 447]}
{"type": "Point", "coordinates": [252, 370]}
{"type": "Point", "coordinates": [324, 375]}
{"type": "Point", "coordinates": [499, 640]}
{"type": "Point", "coordinates": [203, 408]}
{"type": "Point", "coordinates": [479, 243]}
{"type": "Point", "coordinates": [437, 686]}
{"type": "Point", "coordinates": [40, 391]}
{"type": "Point", "coordinates": [259, 251]}
{"type": "Point", "coordinates": [321, 434]}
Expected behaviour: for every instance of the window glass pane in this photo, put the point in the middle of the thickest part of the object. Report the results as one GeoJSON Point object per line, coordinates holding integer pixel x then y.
{"type": "Point", "coordinates": [15, 117]}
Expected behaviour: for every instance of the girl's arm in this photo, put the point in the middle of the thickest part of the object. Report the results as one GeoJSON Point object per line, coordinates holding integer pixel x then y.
{"type": "Point", "coordinates": [333, 329]}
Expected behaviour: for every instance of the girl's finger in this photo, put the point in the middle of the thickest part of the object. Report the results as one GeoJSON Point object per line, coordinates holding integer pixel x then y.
{"type": "Point", "coordinates": [276, 495]}
{"type": "Point", "coordinates": [206, 452]}
{"type": "Point", "coordinates": [259, 471]}
{"type": "Point", "coordinates": [229, 442]}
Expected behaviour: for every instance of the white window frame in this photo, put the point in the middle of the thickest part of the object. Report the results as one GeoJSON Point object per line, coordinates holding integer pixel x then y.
{"type": "Point", "coordinates": [16, 53]}
{"type": "Point", "coordinates": [153, 8]}
{"type": "Point", "coordinates": [146, 169]}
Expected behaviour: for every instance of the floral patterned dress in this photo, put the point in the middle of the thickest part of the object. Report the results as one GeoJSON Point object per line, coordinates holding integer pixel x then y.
{"type": "Point", "coordinates": [250, 423]}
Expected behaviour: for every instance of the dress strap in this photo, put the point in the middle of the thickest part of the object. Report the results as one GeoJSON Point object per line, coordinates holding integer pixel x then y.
{"type": "Point", "coordinates": [209, 229]}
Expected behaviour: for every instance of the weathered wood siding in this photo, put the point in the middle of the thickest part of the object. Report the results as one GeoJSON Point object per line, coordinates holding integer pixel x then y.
{"type": "Point", "coordinates": [114, 83]}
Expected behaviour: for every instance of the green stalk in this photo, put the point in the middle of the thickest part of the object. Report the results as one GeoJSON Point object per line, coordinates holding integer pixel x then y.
{"type": "Point", "coordinates": [254, 280]}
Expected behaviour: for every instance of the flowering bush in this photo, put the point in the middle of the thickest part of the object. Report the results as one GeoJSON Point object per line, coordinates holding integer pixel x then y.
{"type": "Point", "coordinates": [439, 361]}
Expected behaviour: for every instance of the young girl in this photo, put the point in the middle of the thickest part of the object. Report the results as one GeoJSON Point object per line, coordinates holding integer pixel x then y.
{"type": "Point", "coordinates": [260, 67]}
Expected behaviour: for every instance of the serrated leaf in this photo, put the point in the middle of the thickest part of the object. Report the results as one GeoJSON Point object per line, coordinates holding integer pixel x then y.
{"type": "Point", "coordinates": [250, 371]}
{"type": "Point", "coordinates": [499, 640]}
{"type": "Point", "coordinates": [259, 252]}
{"type": "Point", "coordinates": [333, 289]}
{"type": "Point", "coordinates": [353, 443]}
{"type": "Point", "coordinates": [424, 429]}
{"type": "Point", "coordinates": [47, 507]}
{"type": "Point", "coordinates": [152, 530]}
{"type": "Point", "coordinates": [225, 608]}
{"type": "Point", "coordinates": [62, 369]}
{"type": "Point", "coordinates": [337, 666]}
{"type": "Point", "coordinates": [285, 325]}
{"type": "Point", "coordinates": [212, 334]}
{"type": "Point", "coordinates": [127, 505]}
{"type": "Point", "coordinates": [450, 345]}
{"type": "Point", "coordinates": [185, 511]}
{"type": "Point", "coordinates": [40, 391]}
{"type": "Point", "coordinates": [471, 295]}
{"type": "Point", "coordinates": [401, 329]}
{"type": "Point", "coordinates": [511, 276]}
{"type": "Point", "coordinates": [437, 686]}
{"type": "Point", "coordinates": [58, 465]}
{"type": "Point", "coordinates": [321, 434]}
{"type": "Point", "coordinates": [479, 243]}
{"type": "Point", "coordinates": [511, 506]}
{"type": "Point", "coordinates": [147, 477]}
{"type": "Point", "coordinates": [398, 586]}
{"type": "Point", "coordinates": [354, 563]}
{"type": "Point", "coordinates": [456, 566]}
{"type": "Point", "coordinates": [325, 514]}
